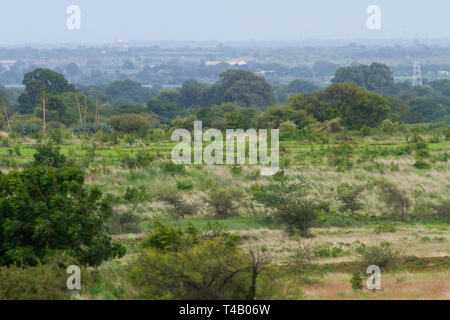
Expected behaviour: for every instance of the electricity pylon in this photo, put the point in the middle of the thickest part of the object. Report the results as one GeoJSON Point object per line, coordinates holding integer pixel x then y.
{"type": "Point", "coordinates": [417, 75]}
{"type": "Point", "coordinates": [417, 72]}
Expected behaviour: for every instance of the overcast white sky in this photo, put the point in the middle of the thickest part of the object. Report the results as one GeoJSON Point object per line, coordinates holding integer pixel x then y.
{"type": "Point", "coordinates": [44, 21]}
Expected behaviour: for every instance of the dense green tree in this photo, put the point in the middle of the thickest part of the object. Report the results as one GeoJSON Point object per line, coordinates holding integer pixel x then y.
{"type": "Point", "coordinates": [216, 116]}
{"type": "Point", "coordinates": [125, 91]}
{"type": "Point", "coordinates": [324, 68]}
{"type": "Point", "coordinates": [442, 86]}
{"type": "Point", "coordinates": [275, 116]}
{"type": "Point", "coordinates": [301, 86]}
{"type": "Point", "coordinates": [184, 122]}
{"type": "Point", "coordinates": [71, 113]}
{"type": "Point", "coordinates": [356, 106]}
{"type": "Point", "coordinates": [126, 108]}
{"type": "Point", "coordinates": [399, 110]}
{"type": "Point", "coordinates": [242, 88]}
{"type": "Point", "coordinates": [167, 105]}
{"type": "Point", "coordinates": [284, 92]}
{"type": "Point", "coordinates": [44, 210]}
{"type": "Point", "coordinates": [424, 110]}
{"type": "Point", "coordinates": [374, 77]}
{"type": "Point", "coordinates": [237, 120]}
{"type": "Point", "coordinates": [246, 89]}
{"type": "Point", "coordinates": [239, 87]}
{"type": "Point", "coordinates": [38, 81]}
{"type": "Point", "coordinates": [191, 93]}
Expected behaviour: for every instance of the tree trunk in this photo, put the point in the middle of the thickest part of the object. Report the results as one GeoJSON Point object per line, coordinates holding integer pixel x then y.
{"type": "Point", "coordinates": [85, 111]}
{"type": "Point", "coordinates": [79, 111]}
{"type": "Point", "coordinates": [43, 113]}
{"type": "Point", "coordinates": [96, 109]}
{"type": "Point", "coordinates": [252, 291]}
{"type": "Point", "coordinates": [7, 118]}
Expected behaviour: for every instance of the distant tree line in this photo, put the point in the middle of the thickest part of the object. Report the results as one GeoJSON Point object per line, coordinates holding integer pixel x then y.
{"type": "Point", "coordinates": [362, 95]}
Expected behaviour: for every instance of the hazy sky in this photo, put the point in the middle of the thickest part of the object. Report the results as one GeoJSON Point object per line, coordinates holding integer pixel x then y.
{"type": "Point", "coordinates": [44, 21]}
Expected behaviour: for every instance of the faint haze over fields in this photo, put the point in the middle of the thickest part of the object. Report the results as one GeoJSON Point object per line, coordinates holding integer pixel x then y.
{"type": "Point", "coordinates": [103, 21]}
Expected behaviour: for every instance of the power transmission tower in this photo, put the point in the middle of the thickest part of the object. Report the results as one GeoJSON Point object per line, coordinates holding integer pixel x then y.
{"type": "Point", "coordinates": [417, 72]}
{"type": "Point", "coordinates": [417, 76]}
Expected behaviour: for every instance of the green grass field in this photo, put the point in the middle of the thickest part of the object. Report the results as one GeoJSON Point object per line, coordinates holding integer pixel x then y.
{"type": "Point", "coordinates": [336, 236]}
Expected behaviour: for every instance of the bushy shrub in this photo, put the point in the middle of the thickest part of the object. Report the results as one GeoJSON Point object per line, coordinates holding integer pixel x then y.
{"type": "Point", "coordinates": [178, 206]}
{"type": "Point", "coordinates": [303, 254]}
{"type": "Point", "coordinates": [236, 170]}
{"type": "Point", "coordinates": [447, 133]}
{"type": "Point", "coordinates": [385, 228]}
{"type": "Point", "coordinates": [172, 168]}
{"type": "Point", "coordinates": [121, 223]}
{"type": "Point", "coordinates": [394, 197]}
{"type": "Point", "coordinates": [133, 122]}
{"type": "Point", "coordinates": [349, 196]}
{"type": "Point", "coordinates": [184, 122]}
{"type": "Point", "coordinates": [400, 151]}
{"type": "Point", "coordinates": [40, 282]}
{"type": "Point", "coordinates": [165, 238]}
{"type": "Point", "coordinates": [27, 127]}
{"type": "Point", "coordinates": [224, 201]}
{"type": "Point", "coordinates": [177, 265]}
{"type": "Point", "coordinates": [421, 164]}
{"type": "Point", "coordinates": [136, 194]}
{"type": "Point", "coordinates": [92, 128]}
{"type": "Point", "coordinates": [143, 159]}
{"type": "Point", "coordinates": [381, 255]}
{"type": "Point", "coordinates": [340, 157]}
{"type": "Point", "coordinates": [56, 135]}
{"type": "Point", "coordinates": [54, 125]}
{"type": "Point", "coordinates": [48, 155]}
{"type": "Point", "coordinates": [422, 150]}
{"type": "Point", "coordinates": [4, 142]}
{"type": "Point", "coordinates": [287, 130]}
{"type": "Point", "coordinates": [356, 281]}
{"type": "Point", "coordinates": [215, 229]}
{"type": "Point", "coordinates": [209, 271]}
{"type": "Point", "coordinates": [442, 210]}
{"type": "Point", "coordinates": [293, 208]}
{"type": "Point", "coordinates": [389, 127]}
{"type": "Point", "coordinates": [184, 185]}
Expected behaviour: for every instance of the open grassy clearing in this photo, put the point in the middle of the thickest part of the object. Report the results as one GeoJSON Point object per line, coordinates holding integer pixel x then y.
{"type": "Point", "coordinates": [414, 240]}
{"type": "Point", "coordinates": [395, 286]}
{"type": "Point", "coordinates": [135, 195]}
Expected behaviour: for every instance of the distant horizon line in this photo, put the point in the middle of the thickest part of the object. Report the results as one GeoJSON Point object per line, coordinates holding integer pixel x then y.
{"type": "Point", "coordinates": [239, 43]}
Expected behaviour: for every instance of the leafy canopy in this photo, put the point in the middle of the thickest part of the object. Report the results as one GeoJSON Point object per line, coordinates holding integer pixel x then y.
{"type": "Point", "coordinates": [46, 209]}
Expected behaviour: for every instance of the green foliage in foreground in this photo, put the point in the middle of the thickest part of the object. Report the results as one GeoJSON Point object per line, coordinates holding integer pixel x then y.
{"type": "Point", "coordinates": [184, 265]}
{"type": "Point", "coordinates": [44, 209]}
{"type": "Point", "coordinates": [292, 207]}
{"type": "Point", "coordinates": [41, 282]}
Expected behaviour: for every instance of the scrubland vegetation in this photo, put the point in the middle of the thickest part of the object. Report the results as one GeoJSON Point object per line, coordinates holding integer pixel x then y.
{"type": "Point", "coordinates": [359, 185]}
{"type": "Point", "coordinates": [207, 232]}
